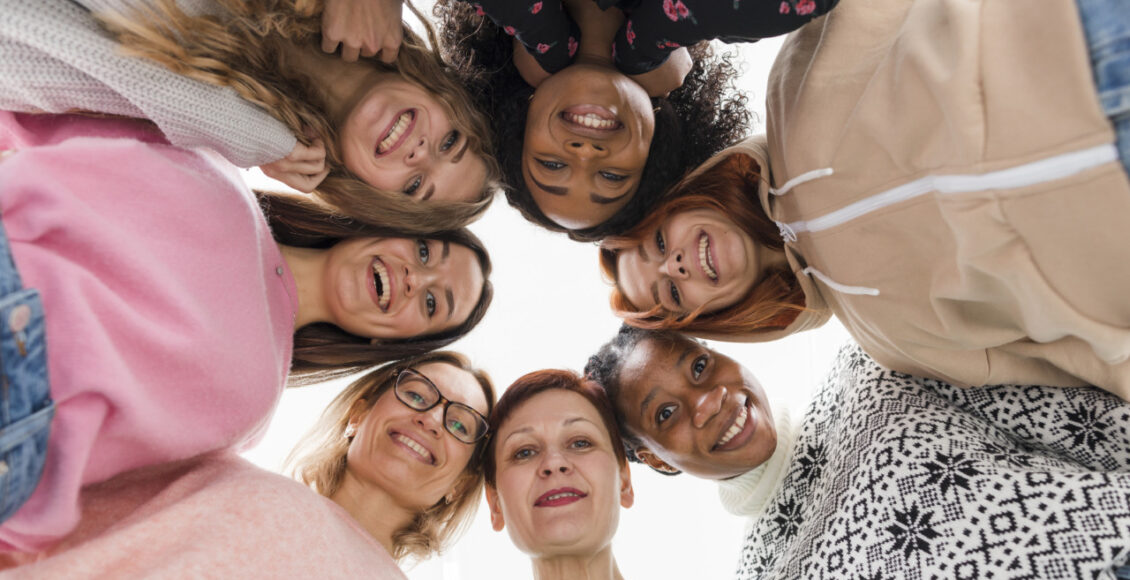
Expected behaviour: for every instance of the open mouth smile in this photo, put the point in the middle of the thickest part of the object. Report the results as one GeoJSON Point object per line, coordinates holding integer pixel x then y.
{"type": "Point", "coordinates": [382, 284]}
{"type": "Point", "coordinates": [397, 132]}
{"type": "Point", "coordinates": [414, 447]}
{"type": "Point", "coordinates": [739, 431]}
{"type": "Point", "coordinates": [590, 121]}
{"type": "Point", "coordinates": [706, 257]}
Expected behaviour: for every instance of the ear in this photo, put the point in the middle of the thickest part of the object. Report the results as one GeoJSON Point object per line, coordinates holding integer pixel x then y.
{"type": "Point", "coordinates": [627, 494]}
{"type": "Point", "coordinates": [496, 520]}
{"type": "Point", "coordinates": [653, 461]}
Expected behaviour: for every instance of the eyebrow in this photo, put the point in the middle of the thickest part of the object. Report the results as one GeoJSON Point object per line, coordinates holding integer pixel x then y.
{"type": "Point", "coordinates": [686, 352]}
{"type": "Point", "coordinates": [550, 189]}
{"type": "Point", "coordinates": [647, 401]}
{"type": "Point", "coordinates": [447, 293]}
{"type": "Point", "coordinates": [529, 429]}
{"type": "Point", "coordinates": [430, 193]}
{"type": "Point", "coordinates": [446, 250]}
{"type": "Point", "coordinates": [462, 150]}
{"type": "Point", "coordinates": [596, 198]}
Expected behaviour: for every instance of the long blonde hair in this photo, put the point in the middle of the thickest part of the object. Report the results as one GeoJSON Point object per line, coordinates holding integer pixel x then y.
{"type": "Point", "coordinates": [319, 459]}
{"type": "Point", "coordinates": [243, 50]}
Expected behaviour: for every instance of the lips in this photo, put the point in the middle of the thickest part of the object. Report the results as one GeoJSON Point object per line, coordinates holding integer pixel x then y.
{"type": "Point", "coordinates": [590, 121]}
{"type": "Point", "coordinates": [396, 133]}
{"type": "Point", "coordinates": [382, 284]}
{"type": "Point", "coordinates": [415, 448]}
{"type": "Point", "coordinates": [739, 430]}
{"type": "Point", "coordinates": [706, 257]}
{"type": "Point", "coordinates": [559, 497]}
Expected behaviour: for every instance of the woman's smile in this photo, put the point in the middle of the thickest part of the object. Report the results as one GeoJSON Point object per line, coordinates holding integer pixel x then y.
{"type": "Point", "coordinates": [383, 286]}
{"type": "Point", "coordinates": [560, 497]}
{"type": "Point", "coordinates": [397, 132]}
{"type": "Point", "coordinates": [416, 449]}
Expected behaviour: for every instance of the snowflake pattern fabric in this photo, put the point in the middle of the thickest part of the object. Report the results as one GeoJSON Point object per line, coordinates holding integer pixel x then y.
{"type": "Point", "coordinates": [896, 476]}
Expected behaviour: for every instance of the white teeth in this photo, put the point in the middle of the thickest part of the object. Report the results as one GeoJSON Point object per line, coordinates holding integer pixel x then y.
{"type": "Point", "coordinates": [561, 495]}
{"type": "Point", "coordinates": [736, 428]}
{"type": "Point", "coordinates": [419, 449]}
{"type": "Point", "coordinates": [384, 294]}
{"type": "Point", "coordinates": [704, 258]}
{"type": "Point", "coordinates": [397, 130]}
{"type": "Point", "coordinates": [591, 120]}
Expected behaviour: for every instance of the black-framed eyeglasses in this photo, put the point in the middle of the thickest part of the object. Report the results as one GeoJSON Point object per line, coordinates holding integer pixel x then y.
{"type": "Point", "coordinates": [420, 394]}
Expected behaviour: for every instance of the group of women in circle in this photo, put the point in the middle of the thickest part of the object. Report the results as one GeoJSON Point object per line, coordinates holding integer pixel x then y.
{"type": "Point", "coordinates": [963, 217]}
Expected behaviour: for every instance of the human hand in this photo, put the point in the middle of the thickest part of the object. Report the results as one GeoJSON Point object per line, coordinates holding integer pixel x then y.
{"type": "Point", "coordinates": [668, 76]}
{"type": "Point", "coordinates": [303, 169]}
{"type": "Point", "coordinates": [363, 27]}
{"type": "Point", "coordinates": [528, 66]}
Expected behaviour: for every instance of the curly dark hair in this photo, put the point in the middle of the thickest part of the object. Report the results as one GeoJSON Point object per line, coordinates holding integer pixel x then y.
{"type": "Point", "coordinates": [603, 368]}
{"type": "Point", "coordinates": [704, 116]}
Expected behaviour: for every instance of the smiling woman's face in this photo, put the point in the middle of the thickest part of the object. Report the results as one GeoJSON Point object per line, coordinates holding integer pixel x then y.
{"type": "Point", "coordinates": [558, 483]}
{"type": "Point", "coordinates": [408, 453]}
{"type": "Point", "coordinates": [695, 409]}
{"type": "Point", "coordinates": [398, 137]}
{"type": "Point", "coordinates": [588, 132]}
{"type": "Point", "coordinates": [400, 287]}
{"type": "Point", "coordinates": [695, 258]}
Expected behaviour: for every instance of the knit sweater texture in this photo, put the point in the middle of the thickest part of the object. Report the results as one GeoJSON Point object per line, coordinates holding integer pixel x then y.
{"type": "Point", "coordinates": [55, 58]}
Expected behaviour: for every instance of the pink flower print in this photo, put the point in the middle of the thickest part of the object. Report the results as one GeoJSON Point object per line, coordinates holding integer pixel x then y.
{"type": "Point", "coordinates": [630, 34]}
{"type": "Point", "coordinates": [572, 46]}
{"type": "Point", "coordinates": [542, 48]}
{"type": "Point", "coordinates": [805, 7]}
{"type": "Point", "coordinates": [676, 10]}
{"type": "Point", "coordinates": [479, 9]}
{"type": "Point", "coordinates": [509, 30]}
{"type": "Point", "coordinates": [667, 44]}
{"type": "Point", "coordinates": [535, 8]}
{"type": "Point", "coordinates": [784, 9]}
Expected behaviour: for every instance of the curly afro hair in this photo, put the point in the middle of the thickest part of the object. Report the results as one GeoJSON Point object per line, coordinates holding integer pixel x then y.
{"type": "Point", "coordinates": [704, 116]}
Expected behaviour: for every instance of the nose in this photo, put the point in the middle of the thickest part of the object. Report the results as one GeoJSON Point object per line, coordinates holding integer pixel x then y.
{"type": "Point", "coordinates": [417, 278]}
{"type": "Point", "coordinates": [431, 420]}
{"type": "Point", "coordinates": [553, 461]}
{"type": "Point", "coordinates": [419, 153]}
{"type": "Point", "coordinates": [588, 149]}
{"type": "Point", "coordinates": [676, 265]}
{"type": "Point", "coordinates": [708, 405]}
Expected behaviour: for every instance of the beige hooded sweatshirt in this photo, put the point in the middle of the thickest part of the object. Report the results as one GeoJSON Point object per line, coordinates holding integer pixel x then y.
{"type": "Point", "coordinates": [948, 187]}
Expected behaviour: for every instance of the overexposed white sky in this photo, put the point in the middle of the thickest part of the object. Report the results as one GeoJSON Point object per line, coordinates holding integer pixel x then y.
{"type": "Point", "coordinates": [551, 311]}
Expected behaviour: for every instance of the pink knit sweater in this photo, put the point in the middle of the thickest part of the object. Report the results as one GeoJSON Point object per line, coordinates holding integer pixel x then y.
{"type": "Point", "coordinates": [169, 308]}
{"type": "Point", "coordinates": [215, 516]}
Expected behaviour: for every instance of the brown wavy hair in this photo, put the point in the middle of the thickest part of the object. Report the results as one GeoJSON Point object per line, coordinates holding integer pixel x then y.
{"type": "Point", "coordinates": [243, 49]}
{"type": "Point", "coordinates": [323, 351]}
{"type": "Point", "coordinates": [531, 384]}
{"type": "Point", "coordinates": [730, 188]}
{"type": "Point", "coordinates": [705, 115]}
{"type": "Point", "coordinates": [319, 459]}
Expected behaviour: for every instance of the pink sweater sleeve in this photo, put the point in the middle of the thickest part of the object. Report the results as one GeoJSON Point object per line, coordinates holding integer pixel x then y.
{"type": "Point", "coordinates": [169, 308]}
{"type": "Point", "coordinates": [215, 516]}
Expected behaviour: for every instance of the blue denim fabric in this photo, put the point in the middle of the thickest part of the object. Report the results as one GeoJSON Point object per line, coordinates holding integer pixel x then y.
{"type": "Point", "coordinates": [26, 408]}
{"type": "Point", "coordinates": [1107, 26]}
{"type": "Point", "coordinates": [1122, 572]}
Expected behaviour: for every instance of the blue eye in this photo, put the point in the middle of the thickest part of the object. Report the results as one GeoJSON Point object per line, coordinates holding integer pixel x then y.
{"type": "Point", "coordinates": [452, 139]}
{"type": "Point", "coordinates": [664, 413]}
{"type": "Point", "coordinates": [413, 185]}
{"type": "Point", "coordinates": [551, 165]}
{"type": "Point", "coordinates": [675, 297]}
{"type": "Point", "coordinates": [523, 453]}
{"type": "Point", "coordinates": [430, 304]}
{"type": "Point", "coordinates": [660, 244]}
{"type": "Point", "coordinates": [423, 251]}
{"type": "Point", "coordinates": [581, 444]}
{"type": "Point", "coordinates": [612, 176]}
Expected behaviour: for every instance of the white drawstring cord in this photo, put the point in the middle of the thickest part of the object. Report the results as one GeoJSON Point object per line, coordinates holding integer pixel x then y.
{"type": "Point", "coordinates": [802, 178]}
{"type": "Point", "coordinates": [841, 288]}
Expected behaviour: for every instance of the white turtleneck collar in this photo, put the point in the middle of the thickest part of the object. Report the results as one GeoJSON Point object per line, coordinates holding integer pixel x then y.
{"type": "Point", "coordinates": [747, 494]}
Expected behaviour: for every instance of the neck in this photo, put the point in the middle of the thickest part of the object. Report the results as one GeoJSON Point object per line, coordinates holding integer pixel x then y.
{"type": "Point", "coordinates": [599, 566]}
{"type": "Point", "coordinates": [598, 30]}
{"type": "Point", "coordinates": [373, 509]}
{"type": "Point", "coordinates": [341, 84]}
{"type": "Point", "coordinates": [307, 265]}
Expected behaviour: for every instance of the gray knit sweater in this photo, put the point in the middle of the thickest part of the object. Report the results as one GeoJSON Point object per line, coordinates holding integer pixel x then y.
{"type": "Point", "coordinates": [54, 58]}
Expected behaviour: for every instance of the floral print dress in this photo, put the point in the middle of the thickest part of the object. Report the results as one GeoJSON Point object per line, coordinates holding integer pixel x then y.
{"type": "Point", "coordinates": [652, 29]}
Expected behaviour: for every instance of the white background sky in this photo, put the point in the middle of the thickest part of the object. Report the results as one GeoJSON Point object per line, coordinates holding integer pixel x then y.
{"type": "Point", "coordinates": [551, 311]}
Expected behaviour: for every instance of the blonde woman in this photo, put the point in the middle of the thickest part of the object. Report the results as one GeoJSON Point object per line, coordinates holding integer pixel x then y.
{"type": "Point", "coordinates": [397, 145]}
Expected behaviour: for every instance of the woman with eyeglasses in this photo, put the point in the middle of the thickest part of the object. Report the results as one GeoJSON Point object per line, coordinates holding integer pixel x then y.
{"type": "Point", "coordinates": [397, 456]}
{"type": "Point", "coordinates": [400, 450]}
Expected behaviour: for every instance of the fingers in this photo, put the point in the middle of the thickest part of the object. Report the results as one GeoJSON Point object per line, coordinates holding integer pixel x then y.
{"type": "Point", "coordinates": [328, 44]}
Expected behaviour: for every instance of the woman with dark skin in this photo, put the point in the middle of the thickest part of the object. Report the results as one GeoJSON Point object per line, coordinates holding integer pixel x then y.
{"type": "Point", "coordinates": [666, 137]}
